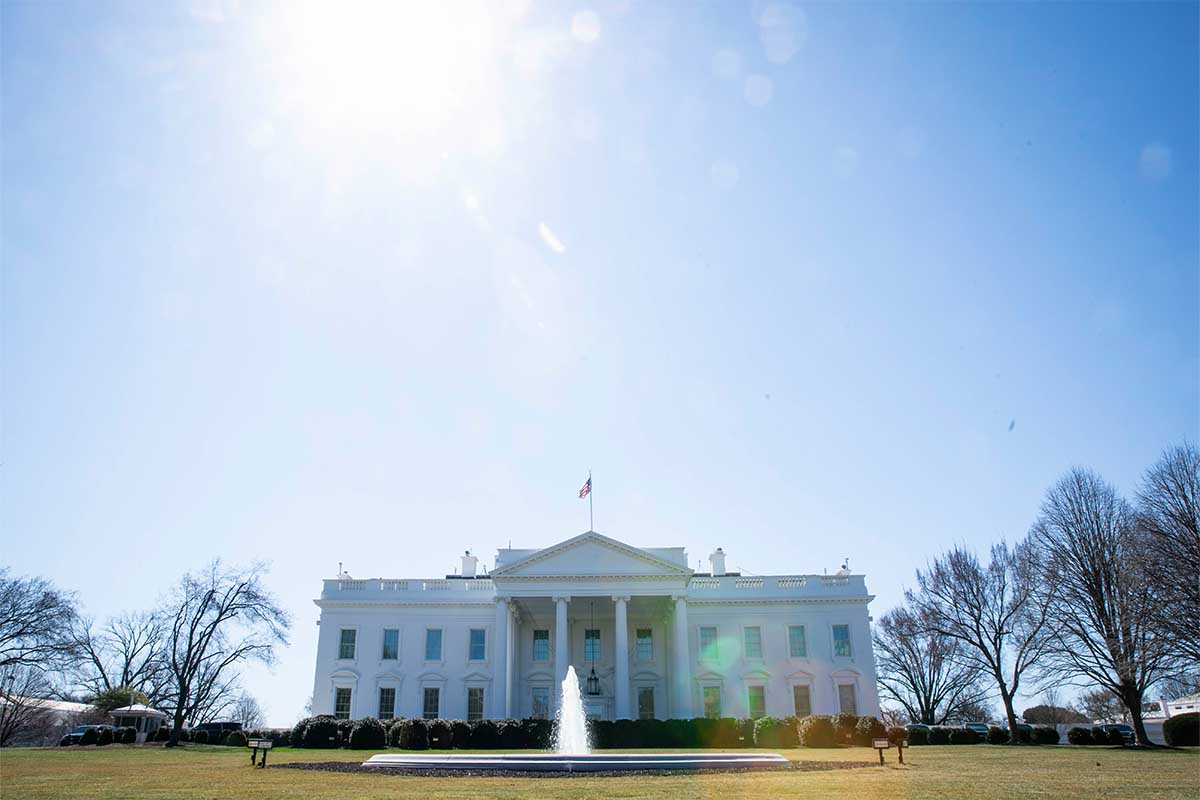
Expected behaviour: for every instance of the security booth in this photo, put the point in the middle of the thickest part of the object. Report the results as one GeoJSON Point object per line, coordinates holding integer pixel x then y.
{"type": "Point", "coordinates": [142, 718]}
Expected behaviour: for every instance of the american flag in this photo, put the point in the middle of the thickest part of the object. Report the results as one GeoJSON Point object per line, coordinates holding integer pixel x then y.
{"type": "Point", "coordinates": [587, 488]}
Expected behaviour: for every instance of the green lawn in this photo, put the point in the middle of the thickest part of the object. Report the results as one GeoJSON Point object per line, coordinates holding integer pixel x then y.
{"type": "Point", "coordinates": [222, 773]}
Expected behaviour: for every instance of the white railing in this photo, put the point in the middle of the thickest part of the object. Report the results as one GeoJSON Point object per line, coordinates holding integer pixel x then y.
{"type": "Point", "coordinates": [769, 585]}
{"type": "Point", "coordinates": [408, 585]}
{"type": "Point", "coordinates": [806, 585]}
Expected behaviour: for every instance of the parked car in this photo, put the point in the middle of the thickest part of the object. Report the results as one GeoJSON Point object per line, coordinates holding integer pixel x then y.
{"type": "Point", "coordinates": [1127, 734]}
{"type": "Point", "coordinates": [979, 727]}
{"type": "Point", "coordinates": [916, 726]}
{"type": "Point", "coordinates": [75, 735]}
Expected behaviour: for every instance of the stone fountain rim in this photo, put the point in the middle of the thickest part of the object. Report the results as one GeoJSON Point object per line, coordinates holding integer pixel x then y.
{"type": "Point", "coordinates": [591, 762]}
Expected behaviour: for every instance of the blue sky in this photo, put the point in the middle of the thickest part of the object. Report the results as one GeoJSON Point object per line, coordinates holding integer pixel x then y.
{"type": "Point", "coordinates": [379, 286]}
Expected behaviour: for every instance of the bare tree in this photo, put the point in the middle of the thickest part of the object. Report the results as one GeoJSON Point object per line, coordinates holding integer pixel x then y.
{"type": "Point", "coordinates": [217, 620]}
{"type": "Point", "coordinates": [216, 694]}
{"type": "Point", "coordinates": [923, 670]}
{"type": "Point", "coordinates": [247, 711]}
{"type": "Point", "coordinates": [1103, 611]}
{"type": "Point", "coordinates": [1180, 684]}
{"type": "Point", "coordinates": [127, 653]}
{"type": "Point", "coordinates": [1101, 705]}
{"type": "Point", "coordinates": [997, 612]}
{"type": "Point", "coordinates": [1051, 711]}
{"type": "Point", "coordinates": [981, 711]}
{"type": "Point", "coordinates": [1169, 513]}
{"type": "Point", "coordinates": [35, 622]}
{"type": "Point", "coordinates": [25, 716]}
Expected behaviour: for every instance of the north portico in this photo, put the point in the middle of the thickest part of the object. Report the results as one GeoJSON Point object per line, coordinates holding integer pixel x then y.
{"type": "Point", "coordinates": [663, 640]}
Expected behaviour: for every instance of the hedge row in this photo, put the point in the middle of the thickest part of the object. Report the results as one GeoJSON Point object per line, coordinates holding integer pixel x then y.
{"type": "Point", "coordinates": [280, 737]}
{"type": "Point", "coordinates": [1080, 735]}
{"type": "Point", "coordinates": [104, 736]}
{"type": "Point", "coordinates": [511, 734]}
{"type": "Point", "coordinates": [940, 734]}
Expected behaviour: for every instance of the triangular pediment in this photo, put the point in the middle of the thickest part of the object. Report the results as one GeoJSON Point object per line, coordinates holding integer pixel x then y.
{"type": "Point", "coordinates": [590, 554]}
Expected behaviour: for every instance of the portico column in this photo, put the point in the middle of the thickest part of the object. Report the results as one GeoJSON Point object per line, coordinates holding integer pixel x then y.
{"type": "Point", "coordinates": [500, 661]}
{"type": "Point", "coordinates": [683, 662]}
{"type": "Point", "coordinates": [561, 641]}
{"type": "Point", "coordinates": [622, 692]}
{"type": "Point", "coordinates": [510, 649]}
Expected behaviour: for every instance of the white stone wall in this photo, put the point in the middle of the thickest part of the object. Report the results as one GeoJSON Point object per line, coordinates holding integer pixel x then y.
{"type": "Point", "coordinates": [731, 671]}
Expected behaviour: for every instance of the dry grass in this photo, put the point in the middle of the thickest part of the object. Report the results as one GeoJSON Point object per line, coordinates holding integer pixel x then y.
{"type": "Point", "coordinates": [981, 771]}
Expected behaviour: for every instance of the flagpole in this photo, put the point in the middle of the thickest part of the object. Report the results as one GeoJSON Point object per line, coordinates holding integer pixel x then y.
{"type": "Point", "coordinates": [591, 490]}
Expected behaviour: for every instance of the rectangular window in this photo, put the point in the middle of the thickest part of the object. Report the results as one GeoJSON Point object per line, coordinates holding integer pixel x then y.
{"type": "Point", "coordinates": [387, 702]}
{"type": "Point", "coordinates": [645, 702]}
{"type": "Point", "coordinates": [541, 702]}
{"type": "Point", "coordinates": [591, 644]}
{"type": "Point", "coordinates": [757, 696]}
{"type": "Point", "coordinates": [645, 644]}
{"type": "Point", "coordinates": [478, 644]}
{"type": "Point", "coordinates": [474, 703]}
{"type": "Point", "coordinates": [341, 703]}
{"type": "Point", "coordinates": [841, 641]}
{"type": "Point", "coordinates": [541, 645]}
{"type": "Point", "coordinates": [802, 701]}
{"type": "Point", "coordinates": [712, 702]}
{"type": "Point", "coordinates": [346, 643]}
{"type": "Point", "coordinates": [708, 644]}
{"type": "Point", "coordinates": [752, 640]}
{"type": "Point", "coordinates": [431, 704]}
{"type": "Point", "coordinates": [797, 644]}
{"type": "Point", "coordinates": [847, 703]}
{"type": "Point", "coordinates": [391, 644]}
{"type": "Point", "coordinates": [433, 644]}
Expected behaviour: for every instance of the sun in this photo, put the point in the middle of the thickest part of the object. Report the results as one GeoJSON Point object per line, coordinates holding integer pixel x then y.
{"type": "Point", "coordinates": [406, 67]}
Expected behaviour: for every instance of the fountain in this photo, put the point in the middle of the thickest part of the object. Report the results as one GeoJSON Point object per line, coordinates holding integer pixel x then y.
{"type": "Point", "coordinates": [572, 753]}
{"type": "Point", "coordinates": [570, 736]}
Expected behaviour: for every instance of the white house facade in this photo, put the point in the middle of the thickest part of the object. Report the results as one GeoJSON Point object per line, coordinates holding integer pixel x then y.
{"type": "Point", "coordinates": [662, 640]}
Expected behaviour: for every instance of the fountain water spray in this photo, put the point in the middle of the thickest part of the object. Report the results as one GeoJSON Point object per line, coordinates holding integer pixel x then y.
{"type": "Point", "coordinates": [571, 742]}
{"type": "Point", "coordinates": [571, 739]}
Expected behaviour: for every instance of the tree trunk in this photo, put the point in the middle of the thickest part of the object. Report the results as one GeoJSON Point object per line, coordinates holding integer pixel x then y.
{"type": "Point", "coordinates": [176, 729]}
{"type": "Point", "coordinates": [1006, 698]}
{"type": "Point", "coordinates": [1133, 702]}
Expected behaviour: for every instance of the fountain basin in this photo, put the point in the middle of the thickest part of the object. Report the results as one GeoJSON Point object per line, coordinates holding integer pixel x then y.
{"type": "Point", "coordinates": [592, 762]}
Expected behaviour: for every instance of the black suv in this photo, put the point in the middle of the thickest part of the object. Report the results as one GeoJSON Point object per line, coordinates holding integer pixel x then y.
{"type": "Point", "coordinates": [75, 735]}
{"type": "Point", "coordinates": [1126, 732]}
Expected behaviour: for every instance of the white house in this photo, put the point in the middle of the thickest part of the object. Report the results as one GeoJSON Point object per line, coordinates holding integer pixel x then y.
{"type": "Point", "coordinates": [663, 641]}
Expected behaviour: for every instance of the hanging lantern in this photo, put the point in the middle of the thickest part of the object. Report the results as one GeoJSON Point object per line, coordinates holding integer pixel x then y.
{"type": "Point", "coordinates": [592, 685]}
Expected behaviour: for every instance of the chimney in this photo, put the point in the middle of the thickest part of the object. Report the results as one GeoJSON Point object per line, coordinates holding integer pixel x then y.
{"type": "Point", "coordinates": [468, 564]}
{"type": "Point", "coordinates": [1162, 703]}
{"type": "Point", "coordinates": [717, 561]}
